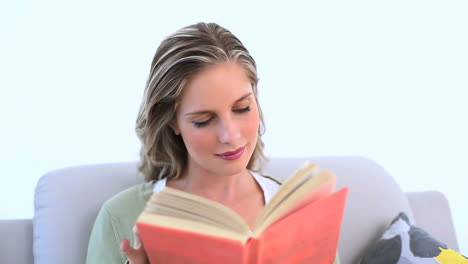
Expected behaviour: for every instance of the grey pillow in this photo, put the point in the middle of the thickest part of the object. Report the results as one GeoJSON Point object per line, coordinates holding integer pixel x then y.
{"type": "Point", "coordinates": [403, 243]}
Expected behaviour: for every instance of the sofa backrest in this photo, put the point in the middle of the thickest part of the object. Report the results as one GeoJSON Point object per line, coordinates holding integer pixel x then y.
{"type": "Point", "coordinates": [66, 203]}
{"type": "Point", "coordinates": [374, 199]}
{"type": "Point", "coordinates": [68, 200]}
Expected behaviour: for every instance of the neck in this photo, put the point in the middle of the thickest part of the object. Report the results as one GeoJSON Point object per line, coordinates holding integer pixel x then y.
{"type": "Point", "coordinates": [220, 188]}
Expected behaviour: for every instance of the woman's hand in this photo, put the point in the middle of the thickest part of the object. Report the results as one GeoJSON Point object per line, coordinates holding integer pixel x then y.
{"type": "Point", "coordinates": [136, 254]}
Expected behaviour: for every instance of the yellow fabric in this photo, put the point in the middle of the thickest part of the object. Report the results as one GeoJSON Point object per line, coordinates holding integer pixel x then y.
{"type": "Point", "coordinates": [450, 256]}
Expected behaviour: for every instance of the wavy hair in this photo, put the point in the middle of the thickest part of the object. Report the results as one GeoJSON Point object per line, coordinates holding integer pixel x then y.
{"type": "Point", "coordinates": [179, 57]}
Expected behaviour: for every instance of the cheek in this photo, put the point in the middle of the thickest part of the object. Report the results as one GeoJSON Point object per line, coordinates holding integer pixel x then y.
{"type": "Point", "coordinates": [251, 126]}
{"type": "Point", "coordinates": [198, 140]}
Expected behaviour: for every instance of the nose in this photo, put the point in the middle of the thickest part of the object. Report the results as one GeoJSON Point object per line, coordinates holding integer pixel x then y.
{"type": "Point", "coordinates": [229, 131]}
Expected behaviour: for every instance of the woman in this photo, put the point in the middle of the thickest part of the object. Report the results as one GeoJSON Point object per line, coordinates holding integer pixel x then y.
{"type": "Point", "coordinates": [200, 126]}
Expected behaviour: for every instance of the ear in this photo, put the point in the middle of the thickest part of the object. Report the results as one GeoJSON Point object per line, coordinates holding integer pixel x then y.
{"type": "Point", "coordinates": [175, 128]}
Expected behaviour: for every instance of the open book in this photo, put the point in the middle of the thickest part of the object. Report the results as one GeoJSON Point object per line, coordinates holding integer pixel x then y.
{"type": "Point", "coordinates": [300, 224]}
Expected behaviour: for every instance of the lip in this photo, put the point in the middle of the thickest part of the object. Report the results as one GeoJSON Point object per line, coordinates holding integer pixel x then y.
{"type": "Point", "coordinates": [232, 155]}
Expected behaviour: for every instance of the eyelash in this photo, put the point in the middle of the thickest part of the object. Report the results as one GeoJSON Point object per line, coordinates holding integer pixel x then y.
{"type": "Point", "coordinates": [204, 123]}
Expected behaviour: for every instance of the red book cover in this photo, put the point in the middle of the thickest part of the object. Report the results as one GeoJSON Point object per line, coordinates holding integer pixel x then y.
{"type": "Point", "coordinates": [308, 235]}
{"type": "Point", "coordinates": [174, 246]}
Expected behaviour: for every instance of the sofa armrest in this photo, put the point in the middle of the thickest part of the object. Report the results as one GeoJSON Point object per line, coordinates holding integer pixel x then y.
{"type": "Point", "coordinates": [17, 240]}
{"type": "Point", "coordinates": [431, 212]}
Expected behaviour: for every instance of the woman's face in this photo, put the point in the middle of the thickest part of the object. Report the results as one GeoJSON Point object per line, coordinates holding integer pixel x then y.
{"type": "Point", "coordinates": [218, 120]}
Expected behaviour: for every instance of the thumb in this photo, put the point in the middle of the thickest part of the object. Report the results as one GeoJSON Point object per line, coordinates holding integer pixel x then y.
{"type": "Point", "coordinates": [133, 254]}
{"type": "Point", "coordinates": [126, 248]}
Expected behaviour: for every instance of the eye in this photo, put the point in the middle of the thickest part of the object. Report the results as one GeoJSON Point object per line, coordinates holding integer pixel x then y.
{"type": "Point", "coordinates": [242, 110]}
{"type": "Point", "coordinates": [202, 123]}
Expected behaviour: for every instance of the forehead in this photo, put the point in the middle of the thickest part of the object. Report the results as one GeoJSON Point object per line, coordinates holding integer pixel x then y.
{"type": "Point", "coordinates": [216, 86]}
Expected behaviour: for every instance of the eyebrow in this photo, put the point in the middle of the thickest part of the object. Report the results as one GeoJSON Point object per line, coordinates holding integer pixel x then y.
{"type": "Point", "coordinates": [209, 112]}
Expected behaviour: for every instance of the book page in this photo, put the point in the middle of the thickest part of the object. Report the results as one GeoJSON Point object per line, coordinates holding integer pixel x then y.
{"type": "Point", "coordinates": [298, 177]}
{"type": "Point", "coordinates": [175, 203]}
{"type": "Point", "coordinates": [286, 200]}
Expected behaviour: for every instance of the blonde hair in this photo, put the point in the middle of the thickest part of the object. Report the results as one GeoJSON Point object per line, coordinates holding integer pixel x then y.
{"type": "Point", "coordinates": [179, 57]}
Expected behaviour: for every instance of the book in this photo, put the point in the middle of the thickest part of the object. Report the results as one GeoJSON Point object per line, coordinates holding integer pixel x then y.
{"type": "Point", "coordinates": [300, 224]}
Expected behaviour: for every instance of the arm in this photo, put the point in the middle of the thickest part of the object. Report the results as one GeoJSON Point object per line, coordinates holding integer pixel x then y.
{"type": "Point", "coordinates": [337, 259]}
{"type": "Point", "coordinates": [104, 243]}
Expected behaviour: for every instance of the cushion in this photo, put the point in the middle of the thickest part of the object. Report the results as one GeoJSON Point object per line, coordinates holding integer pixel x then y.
{"type": "Point", "coordinates": [403, 243]}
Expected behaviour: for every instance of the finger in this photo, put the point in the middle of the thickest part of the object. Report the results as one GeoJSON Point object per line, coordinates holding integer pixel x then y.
{"type": "Point", "coordinates": [134, 255]}
{"type": "Point", "coordinates": [126, 248]}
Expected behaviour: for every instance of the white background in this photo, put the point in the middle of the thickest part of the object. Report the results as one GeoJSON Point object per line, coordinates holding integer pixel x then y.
{"type": "Point", "coordinates": [382, 79]}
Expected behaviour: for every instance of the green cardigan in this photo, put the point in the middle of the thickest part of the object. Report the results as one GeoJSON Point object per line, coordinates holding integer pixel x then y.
{"type": "Point", "coordinates": [115, 222]}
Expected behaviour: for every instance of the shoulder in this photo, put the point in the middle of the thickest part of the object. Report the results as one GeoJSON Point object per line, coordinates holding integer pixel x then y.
{"type": "Point", "coordinates": [114, 222]}
{"type": "Point", "coordinates": [135, 196]}
{"type": "Point", "coordinates": [123, 209]}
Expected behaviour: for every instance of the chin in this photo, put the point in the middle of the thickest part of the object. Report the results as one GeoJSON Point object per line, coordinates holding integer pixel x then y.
{"type": "Point", "coordinates": [233, 167]}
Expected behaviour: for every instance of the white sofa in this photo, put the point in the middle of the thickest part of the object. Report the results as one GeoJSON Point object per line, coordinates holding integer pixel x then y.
{"type": "Point", "coordinates": [67, 201]}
